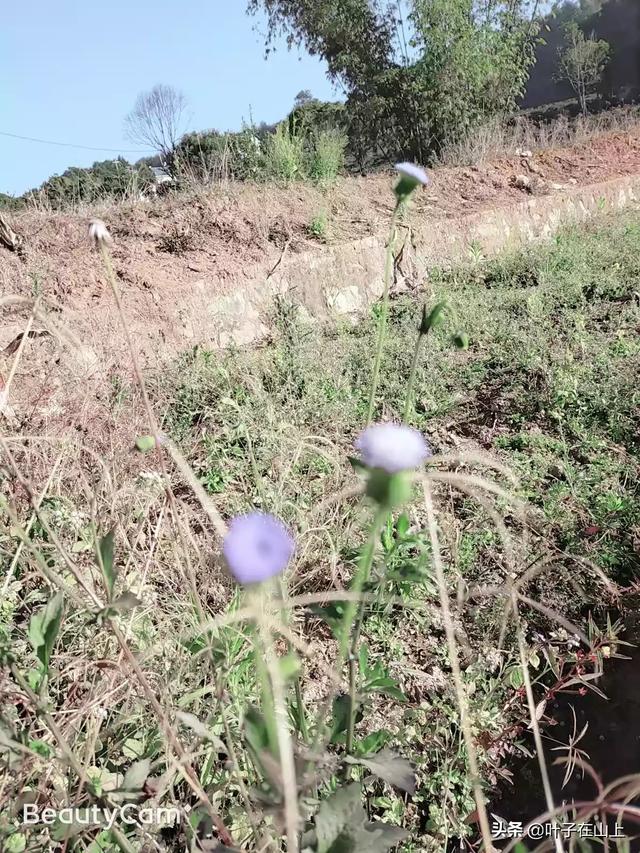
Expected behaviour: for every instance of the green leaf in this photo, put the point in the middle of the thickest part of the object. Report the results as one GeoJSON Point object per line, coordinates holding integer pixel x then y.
{"type": "Point", "coordinates": [256, 731]}
{"type": "Point", "coordinates": [105, 562]}
{"type": "Point", "coordinates": [391, 768]}
{"type": "Point", "coordinates": [289, 666]}
{"type": "Point", "coordinates": [357, 464]}
{"type": "Point", "coordinates": [341, 826]}
{"type": "Point", "coordinates": [516, 679]}
{"type": "Point", "coordinates": [81, 823]}
{"type": "Point", "coordinates": [341, 812]}
{"type": "Point", "coordinates": [16, 843]}
{"type": "Point", "coordinates": [133, 748]}
{"type": "Point", "coordinates": [461, 340]}
{"type": "Point", "coordinates": [44, 627]}
{"type": "Point", "coordinates": [373, 742]}
{"type": "Point", "coordinates": [340, 718]}
{"type": "Point", "coordinates": [402, 525]}
{"type": "Point", "coordinates": [145, 443]}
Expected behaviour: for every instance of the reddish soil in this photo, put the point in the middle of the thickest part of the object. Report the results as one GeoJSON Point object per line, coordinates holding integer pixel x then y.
{"type": "Point", "coordinates": [222, 236]}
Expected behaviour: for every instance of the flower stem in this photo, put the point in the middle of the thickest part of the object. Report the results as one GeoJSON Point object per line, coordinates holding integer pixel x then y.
{"type": "Point", "coordinates": [412, 377]}
{"type": "Point", "coordinates": [353, 619]}
{"type": "Point", "coordinates": [384, 312]}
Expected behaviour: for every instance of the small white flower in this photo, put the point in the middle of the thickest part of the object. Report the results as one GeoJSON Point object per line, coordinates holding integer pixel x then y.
{"type": "Point", "coordinates": [99, 233]}
{"type": "Point", "coordinates": [413, 173]}
{"type": "Point", "coordinates": [392, 447]}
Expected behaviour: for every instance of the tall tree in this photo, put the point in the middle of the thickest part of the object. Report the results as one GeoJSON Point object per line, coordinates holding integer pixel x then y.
{"type": "Point", "coordinates": [157, 119]}
{"type": "Point", "coordinates": [416, 72]}
{"type": "Point", "coordinates": [582, 61]}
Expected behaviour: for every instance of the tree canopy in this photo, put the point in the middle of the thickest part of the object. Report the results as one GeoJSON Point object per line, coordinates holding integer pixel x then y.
{"type": "Point", "coordinates": [417, 73]}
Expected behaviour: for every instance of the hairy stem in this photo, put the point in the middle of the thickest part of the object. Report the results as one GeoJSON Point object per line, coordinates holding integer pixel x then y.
{"type": "Point", "coordinates": [412, 377]}
{"type": "Point", "coordinates": [384, 312]}
{"type": "Point", "coordinates": [355, 611]}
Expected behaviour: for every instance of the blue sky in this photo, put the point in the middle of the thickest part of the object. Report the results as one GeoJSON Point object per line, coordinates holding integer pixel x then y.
{"type": "Point", "coordinates": [71, 70]}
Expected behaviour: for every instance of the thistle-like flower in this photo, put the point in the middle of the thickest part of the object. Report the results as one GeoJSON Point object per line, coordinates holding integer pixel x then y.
{"type": "Point", "coordinates": [257, 547]}
{"type": "Point", "coordinates": [392, 447]}
{"type": "Point", "coordinates": [99, 233]}
{"type": "Point", "coordinates": [411, 176]}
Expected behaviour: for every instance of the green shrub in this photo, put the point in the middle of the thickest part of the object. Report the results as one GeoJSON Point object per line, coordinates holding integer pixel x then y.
{"type": "Point", "coordinates": [327, 156]}
{"type": "Point", "coordinates": [214, 156]}
{"type": "Point", "coordinates": [318, 226]}
{"type": "Point", "coordinates": [284, 155]}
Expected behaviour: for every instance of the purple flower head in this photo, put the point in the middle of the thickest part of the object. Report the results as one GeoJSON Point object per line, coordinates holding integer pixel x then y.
{"type": "Point", "coordinates": [412, 173]}
{"type": "Point", "coordinates": [392, 447]}
{"type": "Point", "coordinates": [257, 547]}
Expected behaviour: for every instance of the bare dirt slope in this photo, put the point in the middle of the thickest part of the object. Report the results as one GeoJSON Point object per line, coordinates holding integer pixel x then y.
{"type": "Point", "coordinates": [224, 233]}
{"type": "Point", "coordinates": [217, 239]}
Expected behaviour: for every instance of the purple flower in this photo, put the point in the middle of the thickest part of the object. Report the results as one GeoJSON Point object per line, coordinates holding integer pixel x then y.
{"type": "Point", "coordinates": [257, 546]}
{"type": "Point", "coordinates": [413, 173]}
{"type": "Point", "coordinates": [392, 447]}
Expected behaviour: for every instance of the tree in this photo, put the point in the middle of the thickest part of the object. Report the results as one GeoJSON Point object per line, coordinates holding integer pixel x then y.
{"type": "Point", "coordinates": [302, 98]}
{"type": "Point", "coordinates": [582, 61]}
{"type": "Point", "coordinates": [416, 73]}
{"type": "Point", "coordinates": [157, 119]}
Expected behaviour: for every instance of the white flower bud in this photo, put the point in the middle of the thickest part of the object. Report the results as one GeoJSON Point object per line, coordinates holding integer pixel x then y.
{"type": "Point", "coordinates": [99, 233]}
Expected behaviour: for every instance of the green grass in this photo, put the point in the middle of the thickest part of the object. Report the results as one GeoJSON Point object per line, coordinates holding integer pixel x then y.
{"type": "Point", "coordinates": [548, 386]}
{"type": "Point", "coordinates": [548, 383]}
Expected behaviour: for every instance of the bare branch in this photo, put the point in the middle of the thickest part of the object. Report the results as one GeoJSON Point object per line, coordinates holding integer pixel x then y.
{"type": "Point", "coordinates": [157, 119]}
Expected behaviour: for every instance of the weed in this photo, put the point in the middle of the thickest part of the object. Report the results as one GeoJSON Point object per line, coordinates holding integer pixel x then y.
{"type": "Point", "coordinates": [327, 156]}
{"type": "Point", "coordinates": [318, 226]}
{"type": "Point", "coordinates": [284, 155]}
{"type": "Point", "coordinates": [132, 668]}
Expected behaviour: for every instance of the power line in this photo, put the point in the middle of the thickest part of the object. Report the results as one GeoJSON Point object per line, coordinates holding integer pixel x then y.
{"type": "Point", "coordinates": [71, 145]}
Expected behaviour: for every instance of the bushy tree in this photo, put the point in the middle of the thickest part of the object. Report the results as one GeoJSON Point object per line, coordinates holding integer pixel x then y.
{"type": "Point", "coordinates": [213, 156]}
{"type": "Point", "coordinates": [582, 61]}
{"type": "Point", "coordinates": [108, 179]}
{"type": "Point", "coordinates": [416, 74]}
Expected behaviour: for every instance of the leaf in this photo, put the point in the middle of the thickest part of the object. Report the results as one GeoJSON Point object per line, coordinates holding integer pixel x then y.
{"type": "Point", "coordinates": [516, 678]}
{"type": "Point", "coordinates": [461, 340]}
{"type": "Point", "coordinates": [340, 715]}
{"type": "Point", "coordinates": [105, 562]}
{"type": "Point", "coordinates": [256, 731]}
{"type": "Point", "coordinates": [402, 525]}
{"type": "Point", "coordinates": [133, 748]}
{"type": "Point", "coordinates": [289, 666]}
{"type": "Point", "coordinates": [341, 826]}
{"type": "Point", "coordinates": [200, 729]}
{"type": "Point", "coordinates": [391, 768]}
{"type": "Point", "coordinates": [343, 810]}
{"type": "Point", "coordinates": [145, 443]}
{"type": "Point", "coordinates": [137, 775]}
{"type": "Point", "coordinates": [44, 627]}
{"type": "Point", "coordinates": [373, 742]}
{"type": "Point", "coordinates": [356, 464]}
{"type": "Point", "coordinates": [17, 843]}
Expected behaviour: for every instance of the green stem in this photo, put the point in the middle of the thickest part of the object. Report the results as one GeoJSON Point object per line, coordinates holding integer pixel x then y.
{"type": "Point", "coordinates": [301, 717]}
{"type": "Point", "coordinates": [355, 611]}
{"type": "Point", "coordinates": [382, 323]}
{"type": "Point", "coordinates": [262, 672]}
{"type": "Point", "coordinates": [412, 377]}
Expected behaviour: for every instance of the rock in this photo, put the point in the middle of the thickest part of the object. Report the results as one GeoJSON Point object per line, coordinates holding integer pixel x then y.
{"type": "Point", "coordinates": [522, 182]}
